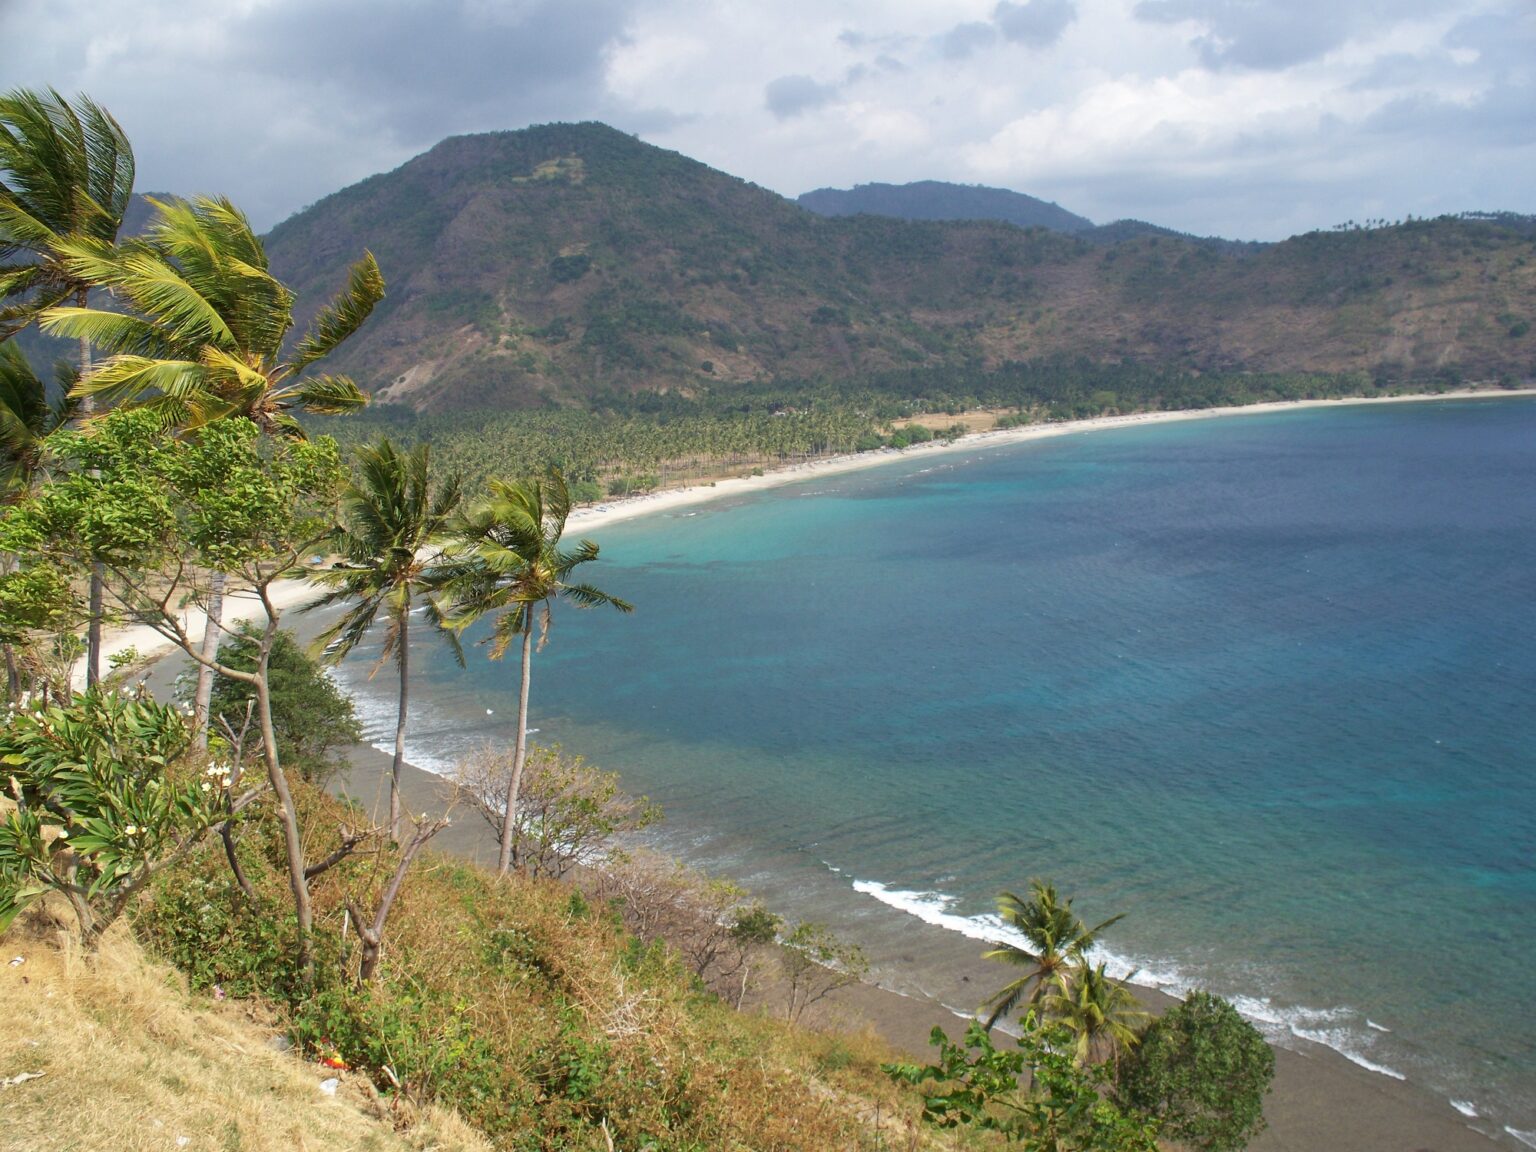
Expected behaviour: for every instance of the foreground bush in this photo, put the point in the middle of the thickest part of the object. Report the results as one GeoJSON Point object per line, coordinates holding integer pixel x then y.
{"type": "Point", "coordinates": [1203, 1071]}
{"type": "Point", "coordinates": [98, 802]}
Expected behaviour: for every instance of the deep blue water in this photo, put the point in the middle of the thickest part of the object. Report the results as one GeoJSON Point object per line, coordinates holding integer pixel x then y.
{"type": "Point", "coordinates": [1263, 683]}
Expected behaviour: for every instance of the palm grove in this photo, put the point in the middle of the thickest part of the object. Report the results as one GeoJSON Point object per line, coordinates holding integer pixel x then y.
{"type": "Point", "coordinates": [168, 468]}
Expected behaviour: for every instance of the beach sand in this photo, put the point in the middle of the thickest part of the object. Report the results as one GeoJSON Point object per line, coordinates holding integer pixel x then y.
{"type": "Point", "coordinates": [628, 508]}
{"type": "Point", "coordinates": [241, 605]}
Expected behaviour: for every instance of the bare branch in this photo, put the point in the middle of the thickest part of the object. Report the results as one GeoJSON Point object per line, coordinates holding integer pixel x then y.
{"type": "Point", "coordinates": [349, 842]}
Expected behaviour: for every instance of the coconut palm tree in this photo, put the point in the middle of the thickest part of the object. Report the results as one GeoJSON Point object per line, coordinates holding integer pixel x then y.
{"type": "Point", "coordinates": [205, 335]}
{"type": "Point", "coordinates": [1104, 1014]}
{"type": "Point", "coordinates": [66, 174]}
{"type": "Point", "coordinates": [1058, 942]}
{"type": "Point", "coordinates": [391, 521]}
{"type": "Point", "coordinates": [516, 573]}
{"type": "Point", "coordinates": [205, 339]}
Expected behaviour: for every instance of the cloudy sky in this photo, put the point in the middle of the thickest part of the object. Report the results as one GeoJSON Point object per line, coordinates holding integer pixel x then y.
{"type": "Point", "coordinates": [1253, 119]}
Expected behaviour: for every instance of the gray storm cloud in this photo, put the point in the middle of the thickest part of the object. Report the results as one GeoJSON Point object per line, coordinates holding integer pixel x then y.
{"type": "Point", "coordinates": [1250, 118]}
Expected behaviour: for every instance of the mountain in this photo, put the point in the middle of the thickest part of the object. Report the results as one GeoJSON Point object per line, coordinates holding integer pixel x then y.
{"type": "Point", "coordinates": [936, 200]}
{"type": "Point", "coordinates": [555, 264]}
{"type": "Point", "coordinates": [559, 262]}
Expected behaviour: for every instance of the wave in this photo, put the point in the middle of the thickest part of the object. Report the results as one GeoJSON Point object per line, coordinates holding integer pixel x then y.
{"type": "Point", "coordinates": [435, 752]}
{"type": "Point", "coordinates": [1334, 1028]}
{"type": "Point", "coordinates": [439, 745]}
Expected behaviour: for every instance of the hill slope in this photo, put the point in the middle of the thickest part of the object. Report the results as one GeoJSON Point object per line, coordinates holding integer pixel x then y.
{"type": "Point", "coordinates": [559, 262]}
{"type": "Point", "coordinates": [136, 1063]}
{"type": "Point", "coordinates": [937, 200]}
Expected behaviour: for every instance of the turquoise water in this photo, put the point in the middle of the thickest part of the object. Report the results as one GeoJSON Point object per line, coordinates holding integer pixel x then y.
{"type": "Point", "coordinates": [1262, 683]}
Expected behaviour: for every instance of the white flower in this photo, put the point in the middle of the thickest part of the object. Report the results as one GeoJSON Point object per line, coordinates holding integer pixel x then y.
{"type": "Point", "coordinates": [207, 787]}
{"type": "Point", "coordinates": [132, 830]}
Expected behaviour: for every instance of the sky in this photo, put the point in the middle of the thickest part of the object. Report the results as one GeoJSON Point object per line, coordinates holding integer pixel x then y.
{"type": "Point", "coordinates": [1250, 119]}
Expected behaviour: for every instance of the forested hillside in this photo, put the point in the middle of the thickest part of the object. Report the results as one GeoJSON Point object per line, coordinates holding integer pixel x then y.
{"type": "Point", "coordinates": [939, 200]}
{"type": "Point", "coordinates": [555, 263]}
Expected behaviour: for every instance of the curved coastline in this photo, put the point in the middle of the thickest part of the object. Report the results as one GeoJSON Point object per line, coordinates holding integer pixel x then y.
{"type": "Point", "coordinates": [241, 607]}
{"type": "Point", "coordinates": [632, 507]}
{"type": "Point", "coordinates": [1321, 1100]}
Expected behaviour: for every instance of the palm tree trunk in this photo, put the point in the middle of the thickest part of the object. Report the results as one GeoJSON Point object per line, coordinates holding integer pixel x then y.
{"type": "Point", "coordinates": [520, 751]}
{"type": "Point", "coordinates": [98, 569]}
{"type": "Point", "coordinates": [12, 675]}
{"type": "Point", "coordinates": [403, 654]}
{"type": "Point", "coordinates": [203, 698]}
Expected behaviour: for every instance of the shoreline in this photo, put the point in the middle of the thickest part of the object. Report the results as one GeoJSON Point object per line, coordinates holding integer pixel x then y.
{"type": "Point", "coordinates": [1320, 1099]}
{"type": "Point", "coordinates": [240, 606]}
{"type": "Point", "coordinates": [631, 507]}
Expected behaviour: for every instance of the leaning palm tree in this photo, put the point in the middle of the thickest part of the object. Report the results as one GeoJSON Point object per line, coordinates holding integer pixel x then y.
{"type": "Point", "coordinates": [516, 572]}
{"type": "Point", "coordinates": [204, 338]}
{"type": "Point", "coordinates": [1058, 942]}
{"type": "Point", "coordinates": [66, 174]}
{"type": "Point", "coordinates": [1104, 1014]}
{"type": "Point", "coordinates": [391, 521]}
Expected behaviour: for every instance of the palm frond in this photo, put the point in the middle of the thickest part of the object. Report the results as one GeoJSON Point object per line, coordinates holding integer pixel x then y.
{"type": "Point", "coordinates": [344, 315]}
{"type": "Point", "coordinates": [337, 641]}
{"type": "Point", "coordinates": [128, 377]}
{"type": "Point", "coordinates": [111, 332]}
{"type": "Point", "coordinates": [586, 596]}
{"type": "Point", "coordinates": [324, 395]}
{"type": "Point", "coordinates": [110, 165]}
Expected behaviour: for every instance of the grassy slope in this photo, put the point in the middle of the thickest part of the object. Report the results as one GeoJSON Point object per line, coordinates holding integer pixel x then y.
{"type": "Point", "coordinates": [528, 1013]}
{"type": "Point", "coordinates": [559, 261]}
{"type": "Point", "coordinates": [131, 1060]}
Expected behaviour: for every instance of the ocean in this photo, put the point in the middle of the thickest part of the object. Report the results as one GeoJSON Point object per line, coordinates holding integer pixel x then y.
{"type": "Point", "coordinates": [1262, 683]}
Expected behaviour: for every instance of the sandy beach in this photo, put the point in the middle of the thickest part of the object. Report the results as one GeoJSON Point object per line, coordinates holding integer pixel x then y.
{"type": "Point", "coordinates": [241, 605]}
{"type": "Point", "coordinates": [628, 508]}
{"type": "Point", "coordinates": [1320, 1100]}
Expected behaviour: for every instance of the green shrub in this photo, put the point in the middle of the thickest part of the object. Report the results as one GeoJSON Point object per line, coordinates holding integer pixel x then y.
{"type": "Point", "coordinates": [100, 804]}
{"type": "Point", "coordinates": [311, 715]}
{"type": "Point", "coordinates": [1203, 1070]}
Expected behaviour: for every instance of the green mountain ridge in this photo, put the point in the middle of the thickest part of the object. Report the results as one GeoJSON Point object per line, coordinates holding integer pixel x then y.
{"type": "Point", "coordinates": [939, 200]}
{"type": "Point", "coordinates": [560, 263]}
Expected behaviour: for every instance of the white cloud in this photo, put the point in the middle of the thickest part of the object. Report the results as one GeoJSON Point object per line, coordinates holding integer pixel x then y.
{"type": "Point", "coordinates": [1247, 117]}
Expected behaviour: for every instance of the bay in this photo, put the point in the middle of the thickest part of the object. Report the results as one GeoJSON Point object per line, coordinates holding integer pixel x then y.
{"type": "Point", "coordinates": [1262, 683]}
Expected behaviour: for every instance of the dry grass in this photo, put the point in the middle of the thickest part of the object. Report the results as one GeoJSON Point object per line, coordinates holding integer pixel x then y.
{"type": "Point", "coordinates": [129, 1061]}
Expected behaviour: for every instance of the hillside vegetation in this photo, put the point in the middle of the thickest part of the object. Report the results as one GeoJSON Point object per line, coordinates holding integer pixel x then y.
{"type": "Point", "coordinates": [524, 1008]}
{"type": "Point", "coordinates": [561, 262]}
{"type": "Point", "coordinates": [939, 200]}
{"type": "Point", "coordinates": [161, 1068]}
